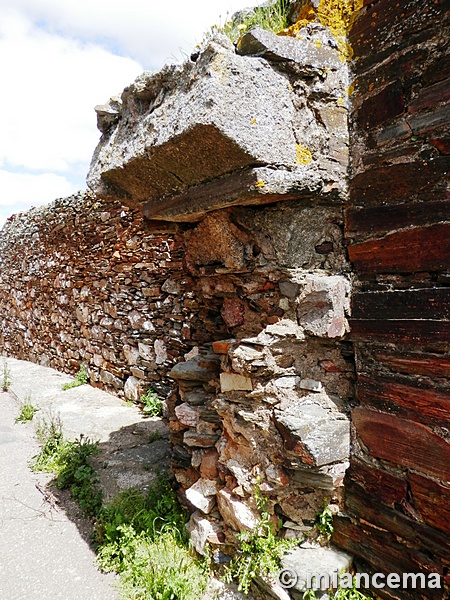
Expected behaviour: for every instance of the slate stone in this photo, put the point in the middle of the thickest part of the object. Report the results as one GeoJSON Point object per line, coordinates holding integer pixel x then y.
{"type": "Point", "coordinates": [315, 433]}
{"type": "Point", "coordinates": [198, 368]}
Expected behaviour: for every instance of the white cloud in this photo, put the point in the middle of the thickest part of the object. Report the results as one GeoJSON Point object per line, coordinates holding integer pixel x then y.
{"type": "Point", "coordinates": [50, 86]}
{"type": "Point", "coordinates": [58, 60]}
{"type": "Point", "coordinates": [20, 191]}
{"type": "Point", "coordinates": [150, 31]}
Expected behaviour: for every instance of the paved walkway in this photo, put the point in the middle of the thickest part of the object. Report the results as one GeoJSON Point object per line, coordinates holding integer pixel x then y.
{"type": "Point", "coordinates": [44, 554]}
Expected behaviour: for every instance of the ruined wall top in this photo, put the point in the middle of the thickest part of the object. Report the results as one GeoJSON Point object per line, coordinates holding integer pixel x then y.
{"type": "Point", "coordinates": [262, 123]}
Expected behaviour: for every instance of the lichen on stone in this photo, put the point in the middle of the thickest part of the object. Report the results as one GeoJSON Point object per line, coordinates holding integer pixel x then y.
{"type": "Point", "coordinates": [337, 15]}
{"type": "Point", "coordinates": [304, 156]}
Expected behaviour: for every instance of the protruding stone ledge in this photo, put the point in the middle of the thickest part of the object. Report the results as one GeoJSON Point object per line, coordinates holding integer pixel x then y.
{"type": "Point", "coordinates": [228, 129]}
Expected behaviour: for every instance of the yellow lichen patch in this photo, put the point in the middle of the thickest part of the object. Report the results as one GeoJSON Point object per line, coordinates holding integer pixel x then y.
{"type": "Point", "coordinates": [253, 121]}
{"type": "Point", "coordinates": [305, 16]}
{"type": "Point", "coordinates": [318, 44]}
{"type": "Point", "coordinates": [350, 89]}
{"type": "Point", "coordinates": [304, 156]}
{"type": "Point", "coordinates": [259, 184]}
{"type": "Point", "coordinates": [337, 15]}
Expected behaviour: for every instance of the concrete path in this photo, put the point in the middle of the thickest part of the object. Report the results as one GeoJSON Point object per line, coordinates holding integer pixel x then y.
{"type": "Point", "coordinates": [132, 447]}
{"type": "Point", "coordinates": [44, 549]}
{"type": "Point", "coordinates": [42, 552]}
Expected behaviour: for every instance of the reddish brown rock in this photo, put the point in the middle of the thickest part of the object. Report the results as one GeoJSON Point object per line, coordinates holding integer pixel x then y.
{"type": "Point", "coordinates": [403, 443]}
{"type": "Point", "coordinates": [432, 500]}
{"type": "Point", "coordinates": [233, 312]}
{"type": "Point", "coordinates": [209, 464]}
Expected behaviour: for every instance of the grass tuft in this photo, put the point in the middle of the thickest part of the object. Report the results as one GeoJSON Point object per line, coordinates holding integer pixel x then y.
{"type": "Point", "coordinates": [80, 379]}
{"type": "Point", "coordinates": [5, 377]}
{"type": "Point", "coordinates": [69, 461]}
{"type": "Point", "coordinates": [260, 552]}
{"type": "Point", "coordinates": [144, 538]}
{"type": "Point", "coordinates": [27, 411]}
{"type": "Point", "coordinates": [271, 16]}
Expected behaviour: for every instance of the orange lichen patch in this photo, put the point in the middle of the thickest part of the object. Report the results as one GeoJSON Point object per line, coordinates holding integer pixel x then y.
{"type": "Point", "coordinates": [305, 16]}
{"type": "Point", "coordinates": [304, 156]}
{"type": "Point", "coordinates": [337, 15]}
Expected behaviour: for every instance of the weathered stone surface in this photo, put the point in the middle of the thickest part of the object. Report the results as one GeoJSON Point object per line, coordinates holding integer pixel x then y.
{"type": "Point", "coordinates": [235, 512]}
{"type": "Point", "coordinates": [209, 464]}
{"type": "Point", "coordinates": [232, 381]}
{"type": "Point", "coordinates": [202, 532]}
{"type": "Point", "coordinates": [312, 57]}
{"type": "Point", "coordinates": [196, 369]}
{"type": "Point", "coordinates": [133, 389]}
{"type": "Point", "coordinates": [202, 495]}
{"type": "Point", "coordinates": [108, 114]}
{"type": "Point", "coordinates": [309, 562]}
{"type": "Point", "coordinates": [187, 415]}
{"type": "Point", "coordinates": [323, 304]}
{"type": "Point", "coordinates": [316, 434]}
{"type": "Point", "coordinates": [189, 126]}
{"type": "Point", "coordinates": [200, 440]}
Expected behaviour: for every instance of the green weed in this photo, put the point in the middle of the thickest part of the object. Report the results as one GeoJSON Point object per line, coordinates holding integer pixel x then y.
{"type": "Point", "coordinates": [6, 377]}
{"type": "Point", "coordinates": [81, 378]}
{"type": "Point", "coordinates": [162, 569]}
{"type": "Point", "coordinates": [69, 461]}
{"type": "Point", "coordinates": [152, 404]}
{"type": "Point", "coordinates": [27, 411]}
{"type": "Point", "coordinates": [143, 537]}
{"type": "Point", "coordinates": [273, 18]}
{"type": "Point", "coordinates": [324, 521]}
{"type": "Point", "coordinates": [340, 594]}
{"type": "Point", "coordinates": [260, 552]}
{"type": "Point", "coordinates": [350, 594]}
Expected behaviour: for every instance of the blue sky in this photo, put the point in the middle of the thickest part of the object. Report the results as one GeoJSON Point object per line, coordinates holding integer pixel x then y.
{"type": "Point", "coordinates": [58, 59]}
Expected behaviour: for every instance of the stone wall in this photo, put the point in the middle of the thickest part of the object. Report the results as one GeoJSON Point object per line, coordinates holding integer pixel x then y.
{"type": "Point", "coordinates": [398, 227]}
{"type": "Point", "coordinates": [82, 282]}
{"type": "Point", "coordinates": [236, 310]}
{"type": "Point", "coordinates": [231, 296]}
{"type": "Point", "coordinates": [251, 149]}
{"type": "Point", "coordinates": [265, 405]}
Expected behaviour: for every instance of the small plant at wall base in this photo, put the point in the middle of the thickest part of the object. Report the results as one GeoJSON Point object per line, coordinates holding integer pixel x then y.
{"type": "Point", "coordinates": [324, 521]}
{"type": "Point", "coordinates": [144, 539]}
{"type": "Point", "coordinates": [260, 552]}
{"type": "Point", "coordinates": [69, 461]}
{"type": "Point", "coordinates": [340, 594]}
{"type": "Point", "coordinates": [27, 411]}
{"type": "Point", "coordinates": [6, 377]}
{"type": "Point", "coordinates": [152, 404]}
{"type": "Point", "coordinates": [81, 378]}
{"type": "Point", "coordinates": [350, 594]}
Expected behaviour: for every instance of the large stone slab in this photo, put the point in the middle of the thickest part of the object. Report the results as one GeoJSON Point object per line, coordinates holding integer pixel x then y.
{"type": "Point", "coordinates": [315, 568]}
{"type": "Point", "coordinates": [316, 434]}
{"type": "Point", "coordinates": [226, 129]}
